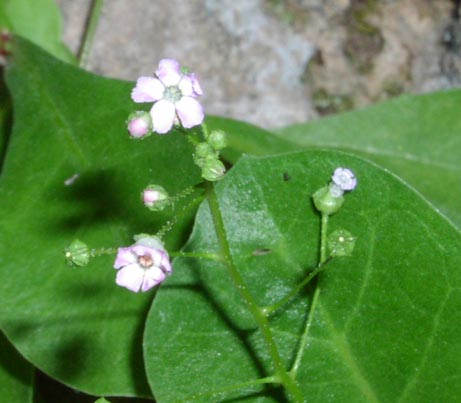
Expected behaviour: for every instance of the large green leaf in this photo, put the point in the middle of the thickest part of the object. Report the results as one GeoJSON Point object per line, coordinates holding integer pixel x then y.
{"type": "Point", "coordinates": [69, 125]}
{"type": "Point", "coordinates": [386, 326]}
{"type": "Point", "coordinates": [39, 21]}
{"type": "Point", "coordinates": [416, 137]}
{"type": "Point", "coordinates": [75, 324]}
{"type": "Point", "coordinates": [15, 374]}
{"type": "Point", "coordinates": [5, 118]}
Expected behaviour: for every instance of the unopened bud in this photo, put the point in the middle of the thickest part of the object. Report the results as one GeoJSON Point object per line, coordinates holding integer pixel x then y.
{"type": "Point", "coordinates": [213, 170]}
{"type": "Point", "coordinates": [217, 139]}
{"type": "Point", "coordinates": [155, 197]}
{"type": "Point", "coordinates": [203, 152]}
{"type": "Point", "coordinates": [139, 124]}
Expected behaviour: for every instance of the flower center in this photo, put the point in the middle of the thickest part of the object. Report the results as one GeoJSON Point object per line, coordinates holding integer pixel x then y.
{"type": "Point", "coordinates": [145, 260]}
{"type": "Point", "coordinates": [172, 94]}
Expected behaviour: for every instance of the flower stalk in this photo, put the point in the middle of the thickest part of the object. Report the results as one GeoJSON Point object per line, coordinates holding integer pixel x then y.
{"type": "Point", "coordinates": [281, 375]}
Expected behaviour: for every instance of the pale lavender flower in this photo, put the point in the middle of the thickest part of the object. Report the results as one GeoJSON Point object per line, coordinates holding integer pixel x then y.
{"type": "Point", "coordinates": [174, 95]}
{"type": "Point", "coordinates": [142, 265]}
{"type": "Point", "coordinates": [344, 179]}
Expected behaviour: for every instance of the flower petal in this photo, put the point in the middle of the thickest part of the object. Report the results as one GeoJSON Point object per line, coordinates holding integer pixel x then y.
{"type": "Point", "coordinates": [186, 87]}
{"type": "Point", "coordinates": [165, 264]}
{"type": "Point", "coordinates": [195, 84]}
{"type": "Point", "coordinates": [190, 112]}
{"type": "Point", "coordinates": [168, 72]}
{"type": "Point", "coordinates": [125, 256]}
{"type": "Point", "coordinates": [148, 89]}
{"type": "Point", "coordinates": [130, 277]}
{"type": "Point", "coordinates": [152, 278]}
{"type": "Point", "coordinates": [163, 114]}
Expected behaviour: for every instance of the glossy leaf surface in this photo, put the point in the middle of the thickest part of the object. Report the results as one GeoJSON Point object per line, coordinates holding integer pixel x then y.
{"type": "Point", "coordinates": [385, 326]}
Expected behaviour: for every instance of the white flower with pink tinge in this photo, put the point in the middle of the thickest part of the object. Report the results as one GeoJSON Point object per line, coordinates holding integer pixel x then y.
{"type": "Point", "coordinates": [142, 265]}
{"type": "Point", "coordinates": [174, 95]}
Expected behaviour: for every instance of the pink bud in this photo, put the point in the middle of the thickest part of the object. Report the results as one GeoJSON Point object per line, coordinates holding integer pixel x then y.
{"type": "Point", "coordinates": [139, 124]}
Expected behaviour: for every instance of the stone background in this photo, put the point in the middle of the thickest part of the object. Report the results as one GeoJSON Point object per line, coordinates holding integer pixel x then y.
{"type": "Point", "coordinates": [277, 62]}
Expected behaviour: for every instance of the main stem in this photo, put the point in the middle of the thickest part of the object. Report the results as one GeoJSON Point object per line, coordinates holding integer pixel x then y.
{"type": "Point", "coordinates": [90, 30]}
{"type": "Point", "coordinates": [284, 378]}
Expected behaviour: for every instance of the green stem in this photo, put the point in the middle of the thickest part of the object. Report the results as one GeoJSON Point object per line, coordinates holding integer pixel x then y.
{"type": "Point", "coordinates": [103, 251]}
{"type": "Point", "coordinates": [197, 255]}
{"type": "Point", "coordinates": [170, 223]}
{"type": "Point", "coordinates": [323, 261]}
{"type": "Point", "coordinates": [281, 375]}
{"type": "Point", "coordinates": [320, 267]}
{"type": "Point", "coordinates": [90, 30]}
{"type": "Point", "coordinates": [303, 342]}
{"type": "Point", "coordinates": [204, 130]}
{"type": "Point", "coordinates": [323, 238]}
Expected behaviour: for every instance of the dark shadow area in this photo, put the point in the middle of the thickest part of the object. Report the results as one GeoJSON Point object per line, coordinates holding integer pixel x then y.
{"type": "Point", "coordinates": [96, 197]}
{"type": "Point", "coordinates": [48, 390]}
{"type": "Point", "coordinates": [6, 118]}
{"type": "Point", "coordinates": [272, 392]}
{"type": "Point", "coordinates": [13, 363]}
{"type": "Point", "coordinates": [138, 369]}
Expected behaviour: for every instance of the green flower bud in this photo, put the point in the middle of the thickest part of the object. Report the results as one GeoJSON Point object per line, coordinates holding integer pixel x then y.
{"type": "Point", "coordinates": [326, 201]}
{"type": "Point", "coordinates": [341, 243]}
{"type": "Point", "coordinates": [213, 170]}
{"type": "Point", "coordinates": [202, 153]}
{"type": "Point", "coordinates": [217, 139]}
{"type": "Point", "coordinates": [77, 253]}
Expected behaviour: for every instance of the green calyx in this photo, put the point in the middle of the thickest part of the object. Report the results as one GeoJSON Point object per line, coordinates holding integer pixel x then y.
{"type": "Point", "coordinates": [77, 253]}
{"type": "Point", "coordinates": [326, 202]}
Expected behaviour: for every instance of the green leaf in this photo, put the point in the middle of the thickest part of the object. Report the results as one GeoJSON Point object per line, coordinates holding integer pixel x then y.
{"type": "Point", "coordinates": [5, 118]}
{"type": "Point", "coordinates": [415, 137]}
{"type": "Point", "coordinates": [15, 374]}
{"type": "Point", "coordinates": [39, 21]}
{"type": "Point", "coordinates": [247, 138]}
{"type": "Point", "coordinates": [386, 324]}
{"type": "Point", "coordinates": [69, 127]}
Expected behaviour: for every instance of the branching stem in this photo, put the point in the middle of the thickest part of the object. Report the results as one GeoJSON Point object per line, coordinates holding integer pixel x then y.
{"type": "Point", "coordinates": [281, 375]}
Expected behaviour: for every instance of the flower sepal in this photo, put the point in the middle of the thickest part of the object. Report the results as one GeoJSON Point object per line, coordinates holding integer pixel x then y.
{"type": "Point", "coordinates": [327, 202]}
{"type": "Point", "coordinates": [77, 253]}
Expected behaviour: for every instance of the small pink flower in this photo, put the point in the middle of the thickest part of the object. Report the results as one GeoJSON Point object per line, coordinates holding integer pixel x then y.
{"type": "Point", "coordinates": [173, 93]}
{"type": "Point", "coordinates": [142, 265]}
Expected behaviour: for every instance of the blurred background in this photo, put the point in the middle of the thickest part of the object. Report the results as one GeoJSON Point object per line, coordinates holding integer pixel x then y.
{"type": "Point", "coordinates": [278, 62]}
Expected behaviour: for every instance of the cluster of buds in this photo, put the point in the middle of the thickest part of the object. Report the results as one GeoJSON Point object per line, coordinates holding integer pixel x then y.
{"type": "Point", "coordinates": [329, 199]}
{"type": "Point", "coordinates": [206, 156]}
